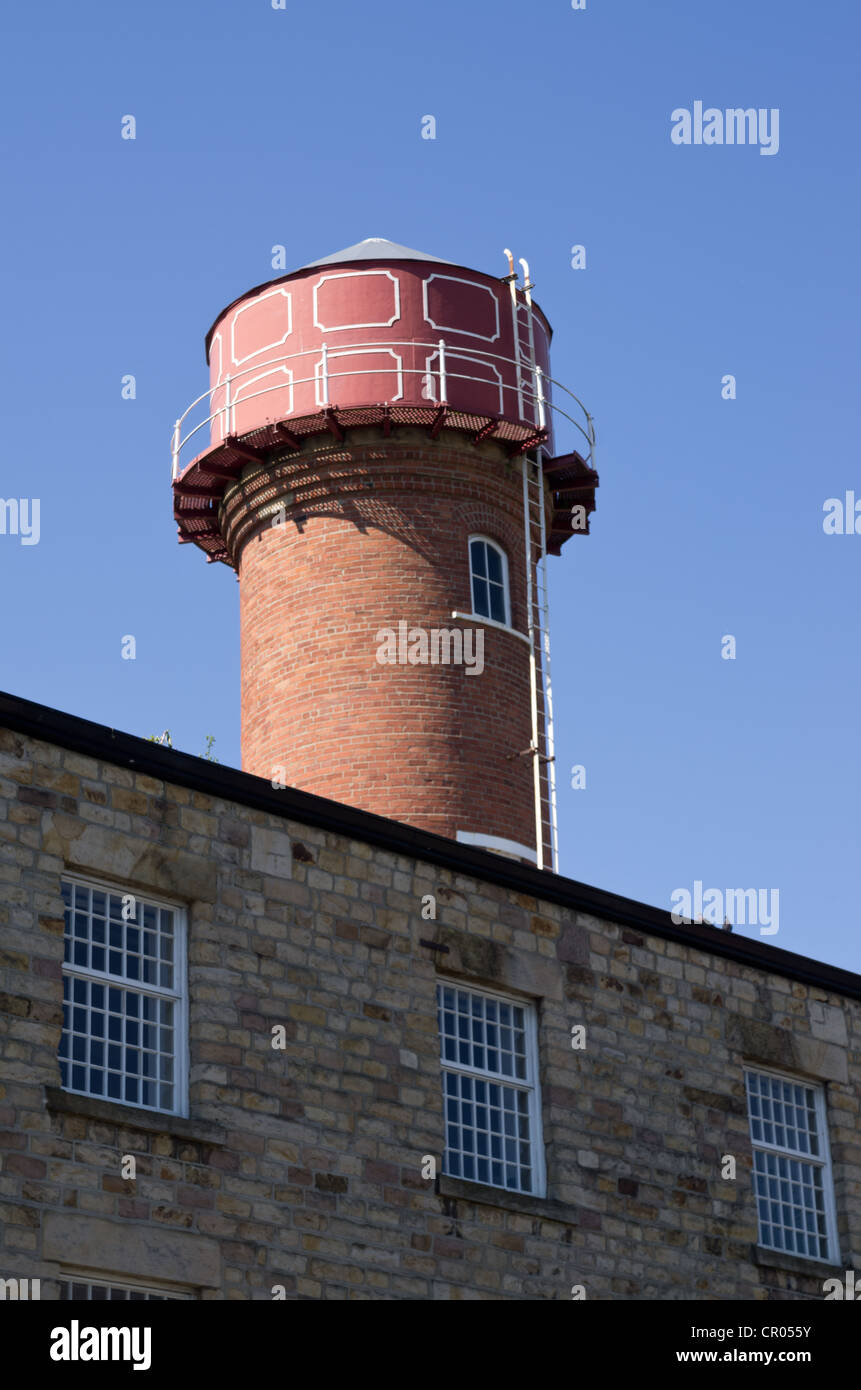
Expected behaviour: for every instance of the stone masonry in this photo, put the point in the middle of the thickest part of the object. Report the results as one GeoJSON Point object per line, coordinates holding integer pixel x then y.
{"type": "Point", "coordinates": [301, 1168]}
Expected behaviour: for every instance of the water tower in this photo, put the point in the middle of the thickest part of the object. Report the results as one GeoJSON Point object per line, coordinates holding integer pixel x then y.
{"type": "Point", "coordinates": [375, 459]}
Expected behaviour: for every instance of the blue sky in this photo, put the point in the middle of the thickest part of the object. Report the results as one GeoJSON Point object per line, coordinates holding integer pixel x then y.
{"type": "Point", "coordinates": [301, 127]}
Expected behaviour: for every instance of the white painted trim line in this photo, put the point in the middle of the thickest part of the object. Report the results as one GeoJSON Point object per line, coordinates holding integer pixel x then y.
{"type": "Point", "coordinates": [455, 354]}
{"type": "Point", "coordinates": [469, 837]}
{"type": "Point", "coordinates": [265, 347]}
{"type": "Point", "coordinates": [450, 327]}
{"type": "Point", "coordinates": [216, 342]}
{"type": "Point", "coordinates": [355, 275]}
{"type": "Point", "coordinates": [332, 353]}
{"type": "Point", "coordinates": [251, 381]}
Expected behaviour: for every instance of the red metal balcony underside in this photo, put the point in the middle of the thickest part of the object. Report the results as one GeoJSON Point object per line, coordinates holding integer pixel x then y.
{"type": "Point", "coordinates": [199, 489]}
{"type": "Point", "coordinates": [572, 483]}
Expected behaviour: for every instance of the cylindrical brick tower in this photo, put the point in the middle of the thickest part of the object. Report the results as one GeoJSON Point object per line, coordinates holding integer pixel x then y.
{"type": "Point", "coordinates": [374, 457]}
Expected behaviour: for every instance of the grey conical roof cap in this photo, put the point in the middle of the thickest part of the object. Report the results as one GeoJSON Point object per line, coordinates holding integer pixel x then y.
{"type": "Point", "coordinates": [375, 248]}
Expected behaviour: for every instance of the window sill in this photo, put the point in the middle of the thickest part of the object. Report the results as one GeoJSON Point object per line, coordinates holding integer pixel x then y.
{"type": "Point", "coordinates": [793, 1264]}
{"type": "Point", "coordinates": [544, 1207]}
{"type": "Point", "coordinates": [490, 622]}
{"type": "Point", "coordinates": [129, 1117]}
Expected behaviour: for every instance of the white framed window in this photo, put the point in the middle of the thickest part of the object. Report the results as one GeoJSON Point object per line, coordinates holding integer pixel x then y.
{"type": "Point", "coordinates": [78, 1288]}
{"type": "Point", "coordinates": [124, 997]}
{"type": "Point", "coordinates": [791, 1165]}
{"type": "Point", "coordinates": [491, 1095]}
{"type": "Point", "coordinates": [488, 578]}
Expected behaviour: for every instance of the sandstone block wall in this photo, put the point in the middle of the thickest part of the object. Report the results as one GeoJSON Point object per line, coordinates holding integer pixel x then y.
{"type": "Point", "coordinates": [302, 1167]}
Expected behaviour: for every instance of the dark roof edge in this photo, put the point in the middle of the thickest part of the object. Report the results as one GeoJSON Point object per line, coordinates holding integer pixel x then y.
{"type": "Point", "coordinates": [213, 779]}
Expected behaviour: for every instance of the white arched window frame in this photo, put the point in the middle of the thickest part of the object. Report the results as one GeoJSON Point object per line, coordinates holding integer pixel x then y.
{"type": "Point", "coordinates": [490, 593]}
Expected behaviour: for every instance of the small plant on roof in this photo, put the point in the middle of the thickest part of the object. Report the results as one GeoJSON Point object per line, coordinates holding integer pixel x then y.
{"type": "Point", "coordinates": [165, 740]}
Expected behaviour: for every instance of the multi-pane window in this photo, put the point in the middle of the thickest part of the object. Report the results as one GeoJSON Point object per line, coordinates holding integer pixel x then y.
{"type": "Point", "coordinates": [488, 569]}
{"type": "Point", "coordinates": [491, 1099]}
{"type": "Point", "coordinates": [79, 1290]}
{"type": "Point", "coordinates": [123, 998]}
{"type": "Point", "coordinates": [791, 1166]}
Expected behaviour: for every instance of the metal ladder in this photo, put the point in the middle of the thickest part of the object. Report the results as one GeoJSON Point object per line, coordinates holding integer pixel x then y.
{"type": "Point", "coordinates": [542, 746]}
{"type": "Point", "coordinates": [541, 689]}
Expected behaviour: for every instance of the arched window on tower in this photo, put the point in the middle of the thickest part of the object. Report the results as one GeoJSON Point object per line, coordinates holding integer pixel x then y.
{"type": "Point", "coordinates": [488, 573]}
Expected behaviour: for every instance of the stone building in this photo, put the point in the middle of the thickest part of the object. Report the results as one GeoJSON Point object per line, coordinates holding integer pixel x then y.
{"type": "Point", "coordinates": [297, 1171]}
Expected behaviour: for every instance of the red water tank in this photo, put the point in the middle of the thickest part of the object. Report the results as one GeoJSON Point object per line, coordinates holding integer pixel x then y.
{"type": "Point", "coordinates": [374, 457]}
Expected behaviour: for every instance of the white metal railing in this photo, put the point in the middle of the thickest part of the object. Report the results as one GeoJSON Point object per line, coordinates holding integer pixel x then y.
{"type": "Point", "coordinates": [535, 396]}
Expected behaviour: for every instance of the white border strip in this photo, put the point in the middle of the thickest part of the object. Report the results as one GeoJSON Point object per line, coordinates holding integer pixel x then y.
{"type": "Point", "coordinates": [252, 380]}
{"type": "Point", "coordinates": [452, 327]}
{"type": "Point", "coordinates": [354, 275]}
{"type": "Point", "coordinates": [264, 347]}
{"type": "Point", "coordinates": [332, 353]}
{"type": "Point", "coordinates": [453, 354]}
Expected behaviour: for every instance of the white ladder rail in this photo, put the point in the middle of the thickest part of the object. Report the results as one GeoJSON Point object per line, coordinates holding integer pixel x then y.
{"type": "Point", "coordinates": [537, 597]}
{"type": "Point", "coordinates": [541, 690]}
{"type": "Point", "coordinates": [544, 608]}
{"type": "Point", "coordinates": [533, 673]}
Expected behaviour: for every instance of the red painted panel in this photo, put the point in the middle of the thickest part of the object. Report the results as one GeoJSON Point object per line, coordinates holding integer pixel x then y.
{"type": "Point", "coordinates": [372, 374]}
{"type": "Point", "coordinates": [456, 306]}
{"type": "Point", "coordinates": [261, 325]}
{"type": "Point", "coordinates": [471, 312]}
{"type": "Point", "coordinates": [356, 299]}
